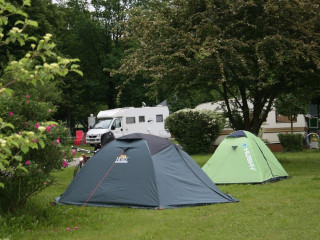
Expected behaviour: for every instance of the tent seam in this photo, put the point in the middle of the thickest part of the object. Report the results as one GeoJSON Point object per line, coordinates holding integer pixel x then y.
{"type": "Point", "coordinates": [224, 196]}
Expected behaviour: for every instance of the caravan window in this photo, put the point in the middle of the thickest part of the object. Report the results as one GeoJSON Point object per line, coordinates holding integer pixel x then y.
{"type": "Point", "coordinates": [141, 119]}
{"type": "Point", "coordinates": [159, 118]}
{"type": "Point", "coordinates": [284, 119]}
{"type": "Point", "coordinates": [130, 120]}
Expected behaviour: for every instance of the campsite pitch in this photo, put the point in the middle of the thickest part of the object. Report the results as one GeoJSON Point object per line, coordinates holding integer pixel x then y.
{"type": "Point", "coordinates": [282, 210]}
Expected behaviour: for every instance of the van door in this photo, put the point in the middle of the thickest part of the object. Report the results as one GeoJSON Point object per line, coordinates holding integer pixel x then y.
{"type": "Point", "coordinates": [116, 128]}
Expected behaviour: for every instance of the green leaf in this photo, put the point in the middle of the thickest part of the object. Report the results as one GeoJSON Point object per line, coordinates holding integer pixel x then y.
{"type": "Point", "coordinates": [4, 20]}
{"type": "Point", "coordinates": [78, 71]}
{"type": "Point", "coordinates": [31, 39]}
{"type": "Point", "coordinates": [40, 45]}
{"type": "Point", "coordinates": [18, 158]}
{"type": "Point", "coordinates": [1, 185]}
{"type": "Point", "coordinates": [1, 166]}
{"type": "Point", "coordinates": [8, 125]}
{"type": "Point", "coordinates": [24, 149]}
{"type": "Point", "coordinates": [41, 143]}
{"type": "Point", "coordinates": [27, 3]}
{"type": "Point", "coordinates": [33, 145]}
{"type": "Point", "coordinates": [21, 41]}
{"type": "Point", "coordinates": [7, 151]}
{"type": "Point", "coordinates": [22, 13]}
{"type": "Point", "coordinates": [32, 23]}
{"type": "Point", "coordinates": [74, 66]}
{"type": "Point", "coordinates": [19, 22]}
{"type": "Point", "coordinates": [22, 168]}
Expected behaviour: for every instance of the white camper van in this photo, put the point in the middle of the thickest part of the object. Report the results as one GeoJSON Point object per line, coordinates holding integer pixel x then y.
{"type": "Point", "coordinates": [274, 124]}
{"type": "Point", "coordinates": [123, 121]}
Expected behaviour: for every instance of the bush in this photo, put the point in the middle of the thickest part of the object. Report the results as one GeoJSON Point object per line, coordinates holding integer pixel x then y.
{"type": "Point", "coordinates": [195, 130]}
{"type": "Point", "coordinates": [30, 173]}
{"type": "Point", "coordinates": [29, 144]}
{"type": "Point", "coordinates": [291, 142]}
{"type": "Point", "coordinates": [38, 164]}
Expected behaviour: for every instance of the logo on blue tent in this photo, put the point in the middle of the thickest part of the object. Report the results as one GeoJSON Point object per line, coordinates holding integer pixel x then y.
{"type": "Point", "coordinates": [122, 159]}
{"type": "Point", "coordinates": [245, 145]}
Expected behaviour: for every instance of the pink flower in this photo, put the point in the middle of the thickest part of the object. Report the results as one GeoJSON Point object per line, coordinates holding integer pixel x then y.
{"type": "Point", "coordinates": [74, 152]}
{"type": "Point", "coordinates": [49, 110]}
{"type": "Point", "coordinates": [48, 128]}
{"type": "Point", "coordinates": [76, 227]}
{"type": "Point", "coordinates": [68, 229]}
{"type": "Point", "coordinates": [37, 125]}
{"type": "Point", "coordinates": [27, 101]}
{"type": "Point", "coordinates": [64, 154]}
{"type": "Point", "coordinates": [58, 140]}
{"type": "Point", "coordinates": [53, 125]}
{"type": "Point", "coordinates": [65, 163]}
{"type": "Point", "coordinates": [27, 163]}
{"type": "Point", "coordinates": [10, 113]}
{"type": "Point", "coordinates": [27, 96]}
{"type": "Point", "coordinates": [19, 133]}
{"type": "Point", "coordinates": [35, 140]}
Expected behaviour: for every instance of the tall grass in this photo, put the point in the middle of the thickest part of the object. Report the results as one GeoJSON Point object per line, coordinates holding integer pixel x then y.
{"type": "Point", "coordinates": [288, 209]}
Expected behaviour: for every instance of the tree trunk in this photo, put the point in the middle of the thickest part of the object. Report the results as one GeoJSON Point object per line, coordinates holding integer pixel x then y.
{"type": "Point", "coordinates": [291, 123]}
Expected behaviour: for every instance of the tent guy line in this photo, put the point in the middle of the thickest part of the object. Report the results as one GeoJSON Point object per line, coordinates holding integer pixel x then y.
{"type": "Point", "coordinates": [93, 192]}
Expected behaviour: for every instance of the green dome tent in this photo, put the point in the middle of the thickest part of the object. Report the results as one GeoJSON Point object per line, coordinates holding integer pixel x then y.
{"type": "Point", "coordinates": [143, 171]}
{"type": "Point", "coordinates": [243, 157]}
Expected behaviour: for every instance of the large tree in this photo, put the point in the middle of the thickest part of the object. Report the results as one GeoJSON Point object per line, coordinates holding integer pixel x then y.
{"type": "Point", "coordinates": [93, 34]}
{"type": "Point", "coordinates": [113, 14]}
{"type": "Point", "coordinates": [249, 51]}
{"type": "Point", "coordinates": [86, 38]}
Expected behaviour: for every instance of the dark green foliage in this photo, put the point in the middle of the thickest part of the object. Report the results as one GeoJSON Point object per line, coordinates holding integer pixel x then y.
{"type": "Point", "coordinates": [85, 38]}
{"type": "Point", "coordinates": [26, 112]}
{"type": "Point", "coordinates": [249, 51]}
{"type": "Point", "coordinates": [195, 130]}
{"type": "Point", "coordinates": [291, 142]}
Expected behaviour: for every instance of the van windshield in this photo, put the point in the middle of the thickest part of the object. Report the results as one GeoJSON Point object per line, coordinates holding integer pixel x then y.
{"type": "Point", "coordinates": [103, 123]}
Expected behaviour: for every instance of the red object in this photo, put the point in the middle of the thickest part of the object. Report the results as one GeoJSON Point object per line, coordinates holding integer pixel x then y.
{"type": "Point", "coordinates": [65, 163]}
{"type": "Point", "coordinates": [78, 139]}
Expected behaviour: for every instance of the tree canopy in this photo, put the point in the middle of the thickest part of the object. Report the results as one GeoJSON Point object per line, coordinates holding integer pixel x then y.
{"type": "Point", "coordinates": [186, 52]}
{"type": "Point", "coordinates": [248, 51]}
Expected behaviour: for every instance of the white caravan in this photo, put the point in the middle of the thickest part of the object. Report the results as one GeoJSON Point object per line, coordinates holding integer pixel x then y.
{"type": "Point", "coordinates": [274, 124]}
{"type": "Point", "coordinates": [123, 121]}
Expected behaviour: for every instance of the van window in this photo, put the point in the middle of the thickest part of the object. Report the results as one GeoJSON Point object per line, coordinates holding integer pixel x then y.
{"type": "Point", "coordinates": [130, 120]}
{"type": "Point", "coordinates": [103, 123]}
{"type": "Point", "coordinates": [116, 123]}
{"type": "Point", "coordinates": [141, 119]}
{"type": "Point", "coordinates": [159, 118]}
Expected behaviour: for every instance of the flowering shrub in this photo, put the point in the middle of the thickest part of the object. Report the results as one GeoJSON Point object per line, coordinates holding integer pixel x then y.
{"type": "Point", "coordinates": [47, 141]}
{"type": "Point", "coordinates": [23, 114]}
{"type": "Point", "coordinates": [195, 130]}
{"type": "Point", "coordinates": [31, 145]}
{"type": "Point", "coordinates": [38, 163]}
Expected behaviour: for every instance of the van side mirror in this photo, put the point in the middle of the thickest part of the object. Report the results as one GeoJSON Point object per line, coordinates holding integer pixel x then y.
{"type": "Point", "coordinates": [113, 127]}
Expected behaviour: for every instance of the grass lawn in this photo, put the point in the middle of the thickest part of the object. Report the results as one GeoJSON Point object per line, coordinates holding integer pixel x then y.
{"type": "Point", "coordinates": [288, 210]}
